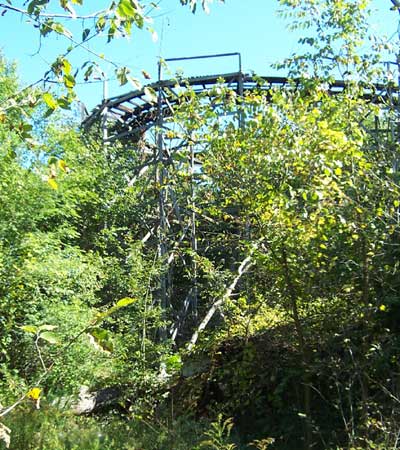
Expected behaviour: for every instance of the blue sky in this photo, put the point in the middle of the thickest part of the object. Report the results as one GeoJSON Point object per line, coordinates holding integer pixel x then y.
{"type": "Point", "coordinates": [251, 27]}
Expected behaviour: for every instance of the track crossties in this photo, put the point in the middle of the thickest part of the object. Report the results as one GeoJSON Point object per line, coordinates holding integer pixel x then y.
{"type": "Point", "coordinates": [129, 115]}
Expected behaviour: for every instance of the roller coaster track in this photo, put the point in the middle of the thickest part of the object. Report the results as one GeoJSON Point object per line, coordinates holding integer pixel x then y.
{"type": "Point", "coordinates": [126, 118]}
{"type": "Point", "coordinates": [129, 115]}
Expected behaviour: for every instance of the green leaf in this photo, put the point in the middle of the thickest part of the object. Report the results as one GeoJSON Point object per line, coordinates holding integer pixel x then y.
{"type": "Point", "coordinates": [35, 5]}
{"type": "Point", "coordinates": [88, 73]}
{"type": "Point", "coordinates": [101, 316]}
{"type": "Point", "coordinates": [126, 9]}
{"type": "Point", "coordinates": [51, 338]}
{"type": "Point", "coordinates": [122, 75]}
{"type": "Point", "coordinates": [64, 102]}
{"type": "Point", "coordinates": [48, 113]}
{"type": "Point", "coordinates": [103, 338]}
{"type": "Point", "coordinates": [85, 34]}
{"type": "Point", "coordinates": [100, 24]}
{"type": "Point", "coordinates": [31, 7]}
{"type": "Point", "coordinates": [125, 302]}
{"type": "Point", "coordinates": [29, 328]}
{"type": "Point", "coordinates": [60, 29]}
{"type": "Point", "coordinates": [120, 304]}
{"type": "Point", "coordinates": [47, 328]}
{"type": "Point", "coordinates": [173, 363]}
{"type": "Point", "coordinates": [69, 81]}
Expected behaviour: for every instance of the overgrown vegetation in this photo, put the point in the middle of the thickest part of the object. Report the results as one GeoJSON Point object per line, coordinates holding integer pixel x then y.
{"type": "Point", "coordinates": [291, 338]}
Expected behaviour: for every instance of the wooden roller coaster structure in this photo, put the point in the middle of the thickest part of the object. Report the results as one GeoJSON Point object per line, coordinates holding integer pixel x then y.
{"type": "Point", "coordinates": [127, 118]}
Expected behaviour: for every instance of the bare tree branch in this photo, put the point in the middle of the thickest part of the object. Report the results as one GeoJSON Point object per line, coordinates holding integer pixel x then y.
{"type": "Point", "coordinates": [54, 15]}
{"type": "Point", "coordinates": [243, 268]}
{"type": "Point", "coordinates": [396, 5]}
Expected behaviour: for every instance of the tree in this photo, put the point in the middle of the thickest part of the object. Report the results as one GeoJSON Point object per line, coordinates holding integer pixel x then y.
{"type": "Point", "coordinates": [296, 210]}
{"type": "Point", "coordinates": [114, 19]}
{"type": "Point", "coordinates": [303, 172]}
{"type": "Point", "coordinates": [70, 251]}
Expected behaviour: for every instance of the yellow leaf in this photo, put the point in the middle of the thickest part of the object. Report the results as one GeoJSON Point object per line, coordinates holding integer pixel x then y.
{"type": "Point", "coordinates": [125, 302]}
{"type": "Point", "coordinates": [50, 101]}
{"type": "Point", "coordinates": [338, 171]}
{"type": "Point", "coordinates": [63, 165]}
{"type": "Point", "coordinates": [52, 183]}
{"type": "Point", "coordinates": [34, 393]}
{"type": "Point", "coordinates": [382, 308]}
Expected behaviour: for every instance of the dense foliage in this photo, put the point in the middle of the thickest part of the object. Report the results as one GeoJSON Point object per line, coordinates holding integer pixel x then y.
{"type": "Point", "coordinates": [281, 325]}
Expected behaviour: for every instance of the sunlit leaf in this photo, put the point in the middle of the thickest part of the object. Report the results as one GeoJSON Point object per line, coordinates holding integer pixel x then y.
{"type": "Point", "coordinates": [338, 171]}
{"type": "Point", "coordinates": [52, 183]}
{"type": "Point", "coordinates": [126, 9]}
{"type": "Point", "coordinates": [69, 81]}
{"type": "Point", "coordinates": [102, 338]}
{"type": "Point", "coordinates": [30, 329]}
{"type": "Point", "coordinates": [60, 29]}
{"type": "Point", "coordinates": [122, 75]}
{"type": "Point", "coordinates": [125, 302]}
{"type": "Point", "coordinates": [63, 165]}
{"type": "Point", "coordinates": [50, 337]}
{"type": "Point", "coordinates": [47, 327]}
{"type": "Point", "coordinates": [66, 66]}
{"type": "Point", "coordinates": [34, 393]}
{"type": "Point", "coordinates": [150, 94]}
{"type": "Point", "coordinates": [49, 100]}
